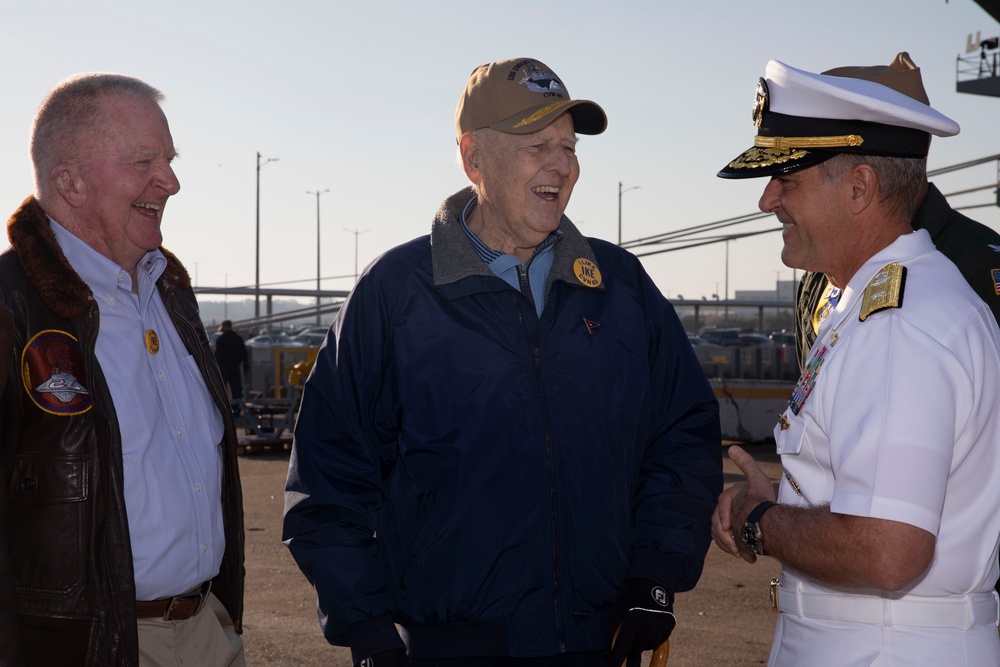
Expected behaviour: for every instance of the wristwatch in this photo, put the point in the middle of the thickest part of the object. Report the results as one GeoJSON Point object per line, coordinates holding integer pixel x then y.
{"type": "Point", "coordinates": [752, 536]}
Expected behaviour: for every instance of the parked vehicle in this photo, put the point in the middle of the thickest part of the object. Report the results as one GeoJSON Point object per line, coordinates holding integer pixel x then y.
{"type": "Point", "coordinates": [313, 339]}
{"type": "Point", "coordinates": [272, 340]}
{"type": "Point", "coordinates": [720, 336]}
{"type": "Point", "coordinates": [749, 339]}
{"type": "Point", "coordinates": [321, 330]}
{"type": "Point", "coordinates": [782, 337]}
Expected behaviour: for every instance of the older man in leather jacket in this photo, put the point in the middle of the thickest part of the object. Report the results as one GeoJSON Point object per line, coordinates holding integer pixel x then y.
{"type": "Point", "coordinates": [121, 537]}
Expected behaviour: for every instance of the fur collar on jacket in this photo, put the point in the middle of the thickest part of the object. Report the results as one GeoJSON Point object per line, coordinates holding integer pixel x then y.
{"type": "Point", "coordinates": [49, 271]}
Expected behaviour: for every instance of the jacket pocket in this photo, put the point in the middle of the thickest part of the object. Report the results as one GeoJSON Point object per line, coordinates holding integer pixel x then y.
{"type": "Point", "coordinates": [789, 434]}
{"type": "Point", "coordinates": [47, 496]}
{"type": "Point", "coordinates": [75, 638]}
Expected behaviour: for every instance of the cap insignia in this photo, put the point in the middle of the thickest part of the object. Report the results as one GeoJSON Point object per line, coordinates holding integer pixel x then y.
{"type": "Point", "coordinates": [755, 158]}
{"type": "Point", "coordinates": [884, 291]}
{"type": "Point", "coordinates": [539, 80]}
{"type": "Point", "coordinates": [760, 102]}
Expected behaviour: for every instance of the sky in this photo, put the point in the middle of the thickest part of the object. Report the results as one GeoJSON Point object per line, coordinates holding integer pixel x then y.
{"type": "Point", "coordinates": [358, 98]}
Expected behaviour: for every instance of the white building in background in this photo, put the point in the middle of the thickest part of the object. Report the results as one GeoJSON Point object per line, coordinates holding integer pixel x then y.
{"type": "Point", "coordinates": [784, 291]}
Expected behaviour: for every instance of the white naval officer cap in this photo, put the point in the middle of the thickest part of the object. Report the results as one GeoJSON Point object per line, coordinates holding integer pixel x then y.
{"type": "Point", "coordinates": [804, 118]}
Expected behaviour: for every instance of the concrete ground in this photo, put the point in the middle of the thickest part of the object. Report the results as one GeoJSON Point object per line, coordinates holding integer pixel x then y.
{"type": "Point", "coordinates": [727, 620]}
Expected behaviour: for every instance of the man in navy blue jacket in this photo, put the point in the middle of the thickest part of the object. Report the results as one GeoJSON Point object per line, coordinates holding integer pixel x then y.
{"type": "Point", "coordinates": [507, 450]}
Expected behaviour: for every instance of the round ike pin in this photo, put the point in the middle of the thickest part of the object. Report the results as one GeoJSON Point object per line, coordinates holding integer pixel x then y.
{"type": "Point", "coordinates": [587, 272]}
{"type": "Point", "coordinates": [152, 341]}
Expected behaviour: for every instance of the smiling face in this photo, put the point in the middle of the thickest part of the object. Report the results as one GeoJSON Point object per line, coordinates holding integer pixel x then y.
{"type": "Point", "coordinates": [524, 184]}
{"type": "Point", "coordinates": [126, 180]}
{"type": "Point", "coordinates": [809, 208]}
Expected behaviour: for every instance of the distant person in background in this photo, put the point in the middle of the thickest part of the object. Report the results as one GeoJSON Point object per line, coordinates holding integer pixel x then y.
{"type": "Point", "coordinates": [231, 354]}
{"type": "Point", "coordinates": [973, 247]}
{"type": "Point", "coordinates": [121, 513]}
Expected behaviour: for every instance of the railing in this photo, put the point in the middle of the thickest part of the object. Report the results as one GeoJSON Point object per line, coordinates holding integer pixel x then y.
{"type": "Point", "coordinates": [753, 362]}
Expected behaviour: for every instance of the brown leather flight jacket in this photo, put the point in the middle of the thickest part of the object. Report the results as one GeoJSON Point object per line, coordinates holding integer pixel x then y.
{"type": "Point", "coordinates": [67, 590]}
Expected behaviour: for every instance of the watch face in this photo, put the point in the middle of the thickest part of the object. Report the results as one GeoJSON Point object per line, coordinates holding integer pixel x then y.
{"type": "Point", "coordinates": [751, 538]}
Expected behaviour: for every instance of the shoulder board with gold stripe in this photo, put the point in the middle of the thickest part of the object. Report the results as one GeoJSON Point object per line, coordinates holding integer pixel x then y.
{"type": "Point", "coordinates": [884, 290]}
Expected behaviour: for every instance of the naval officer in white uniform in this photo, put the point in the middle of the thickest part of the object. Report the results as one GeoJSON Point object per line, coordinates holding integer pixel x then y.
{"type": "Point", "coordinates": [886, 519]}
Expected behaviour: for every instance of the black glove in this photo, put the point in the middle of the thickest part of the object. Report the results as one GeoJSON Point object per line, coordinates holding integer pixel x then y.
{"type": "Point", "coordinates": [392, 658]}
{"type": "Point", "coordinates": [643, 616]}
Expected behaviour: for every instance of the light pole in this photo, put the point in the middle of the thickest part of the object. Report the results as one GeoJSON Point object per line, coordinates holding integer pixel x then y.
{"type": "Point", "coordinates": [620, 193]}
{"type": "Point", "coordinates": [356, 233]}
{"type": "Point", "coordinates": [317, 193]}
{"type": "Point", "coordinates": [727, 278]}
{"type": "Point", "coordinates": [256, 289]}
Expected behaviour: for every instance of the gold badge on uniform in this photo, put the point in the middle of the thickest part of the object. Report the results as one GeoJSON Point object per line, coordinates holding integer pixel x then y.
{"type": "Point", "coordinates": [587, 272]}
{"type": "Point", "coordinates": [783, 422]}
{"type": "Point", "coordinates": [152, 341]}
{"type": "Point", "coordinates": [791, 482]}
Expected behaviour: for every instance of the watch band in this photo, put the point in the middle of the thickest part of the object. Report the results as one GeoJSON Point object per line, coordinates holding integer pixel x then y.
{"type": "Point", "coordinates": [757, 512]}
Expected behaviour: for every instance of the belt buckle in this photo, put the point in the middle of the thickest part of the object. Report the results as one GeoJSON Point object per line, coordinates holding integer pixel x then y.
{"type": "Point", "coordinates": [773, 594]}
{"type": "Point", "coordinates": [202, 595]}
{"type": "Point", "coordinates": [170, 608]}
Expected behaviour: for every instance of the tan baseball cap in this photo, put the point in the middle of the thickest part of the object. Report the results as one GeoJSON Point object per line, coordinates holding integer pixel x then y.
{"type": "Point", "coordinates": [521, 96]}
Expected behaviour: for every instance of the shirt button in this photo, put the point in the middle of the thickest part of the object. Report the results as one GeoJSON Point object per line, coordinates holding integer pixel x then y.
{"type": "Point", "coordinates": [110, 300]}
{"type": "Point", "coordinates": [161, 375]}
{"type": "Point", "coordinates": [204, 547]}
{"type": "Point", "coordinates": [197, 488]}
{"type": "Point", "coordinates": [178, 432]}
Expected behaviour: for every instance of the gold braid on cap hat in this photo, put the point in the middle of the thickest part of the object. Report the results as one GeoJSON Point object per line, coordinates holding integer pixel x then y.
{"type": "Point", "coordinates": [542, 113]}
{"type": "Point", "coordinates": [788, 143]}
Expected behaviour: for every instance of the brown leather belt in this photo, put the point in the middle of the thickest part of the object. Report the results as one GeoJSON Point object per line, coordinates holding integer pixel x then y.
{"type": "Point", "coordinates": [177, 608]}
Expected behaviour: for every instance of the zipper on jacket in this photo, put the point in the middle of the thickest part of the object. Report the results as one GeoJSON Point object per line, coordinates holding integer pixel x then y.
{"type": "Point", "coordinates": [536, 361]}
{"type": "Point", "coordinates": [525, 284]}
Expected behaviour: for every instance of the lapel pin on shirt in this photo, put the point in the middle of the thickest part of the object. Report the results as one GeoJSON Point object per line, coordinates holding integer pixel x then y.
{"type": "Point", "coordinates": [152, 341]}
{"type": "Point", "coordinates": [590, 325]}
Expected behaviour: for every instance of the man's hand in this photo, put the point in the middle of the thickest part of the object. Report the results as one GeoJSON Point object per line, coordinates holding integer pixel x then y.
{"type": "Point", "coordinates": [392, 658]}
{"type": "Point", "coordinates": [642, 618]}
{"type": "Point", "coordinates": [737, 502]}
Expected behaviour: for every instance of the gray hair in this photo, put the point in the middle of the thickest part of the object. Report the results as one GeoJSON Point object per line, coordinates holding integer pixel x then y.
{"type": "Point", "coordinates": [70, 114]}
{"type": "Point", "coordinates": [899, 178]}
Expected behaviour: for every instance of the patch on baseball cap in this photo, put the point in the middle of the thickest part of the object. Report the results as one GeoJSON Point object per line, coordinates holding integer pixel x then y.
{"type": "Point", "coordinates": [521, 96]}
{"type": "Point", "coordinates": [803, 118]}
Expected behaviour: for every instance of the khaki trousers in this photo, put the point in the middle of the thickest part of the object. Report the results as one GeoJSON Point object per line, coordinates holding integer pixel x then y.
{"type": "Point", "coordinates": [207, 639]}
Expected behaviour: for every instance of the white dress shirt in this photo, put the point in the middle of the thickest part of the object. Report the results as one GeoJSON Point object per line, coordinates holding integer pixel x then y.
{"type": "Point", "coordinates": [170, 428]}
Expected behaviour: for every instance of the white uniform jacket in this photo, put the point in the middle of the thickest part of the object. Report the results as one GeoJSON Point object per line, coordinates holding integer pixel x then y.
{"type": "Point", "coordinates": [896, 417]}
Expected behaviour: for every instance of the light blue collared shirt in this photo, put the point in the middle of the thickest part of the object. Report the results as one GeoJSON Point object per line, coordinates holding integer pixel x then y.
{"type": "Point", "coordinates": [170, 427]}
{"type": "Point", "coordinates": [506, 266]}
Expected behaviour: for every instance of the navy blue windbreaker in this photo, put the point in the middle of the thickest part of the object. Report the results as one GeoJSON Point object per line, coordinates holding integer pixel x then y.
{"type": "Point", "coordinates": [487, 478]}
